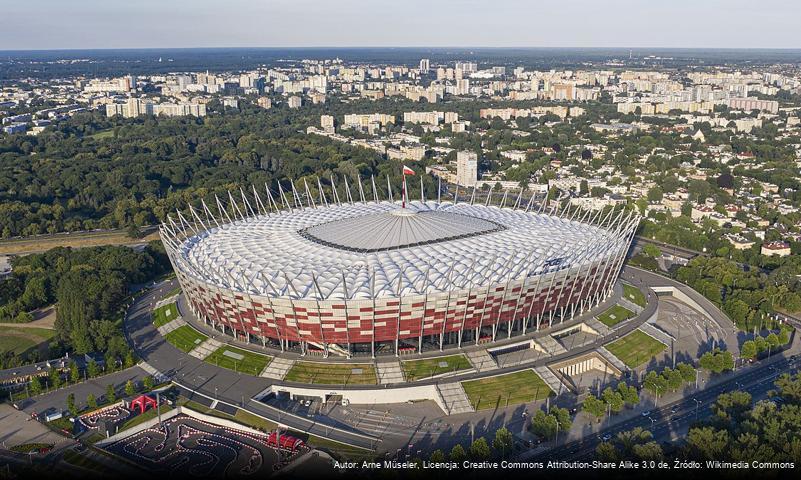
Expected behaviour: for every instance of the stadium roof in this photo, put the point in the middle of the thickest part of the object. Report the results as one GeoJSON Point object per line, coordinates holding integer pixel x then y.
{"type": "Point", "coordinates": [397, 229]}
{"type": "Point", "coordinates": [369, 249]}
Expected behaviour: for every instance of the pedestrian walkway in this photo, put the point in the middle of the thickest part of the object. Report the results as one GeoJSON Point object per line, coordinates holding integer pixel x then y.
{"type": "Point", "coordinates": [170, 326]}
{"type": "Point", "coordinates": [206, 348]}
{"type": "Point", "coordinates": [389, 372]}
{"type": "Point", "coordinates": [158, 376]}
{"type": "Point", "coordinates": [481, 360]}
{"type": "Point", "coordinates": [550, 379]}
{"type": "Point", "coordinates": [278, 368]}
{"type": "Point", "coordinates": [454, 398]}
{"type": "Point", "coordinates": [609, 357]}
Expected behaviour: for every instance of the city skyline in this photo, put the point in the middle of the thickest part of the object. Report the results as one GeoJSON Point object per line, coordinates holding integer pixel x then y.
{"type": "Point", "coordinates": [38, 25]}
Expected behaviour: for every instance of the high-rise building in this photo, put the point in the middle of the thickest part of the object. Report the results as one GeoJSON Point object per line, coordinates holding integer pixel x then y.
{"type": "Point", "coordinates": [466, 168]}
{"type": "Point", "coordinates": [294, 102]}
{"type": "Point", "coordinates": [327, 123]}
{"type": "Point", "coordinates": [424, 66]}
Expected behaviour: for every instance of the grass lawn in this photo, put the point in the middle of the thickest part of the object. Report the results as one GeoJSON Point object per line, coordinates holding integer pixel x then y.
{"type": "Point", "coordinates": [174, 291]}
{"type": "Point", "coordinates": [165, 314]}
{"type": "Point", "coordinates": [185, 338]}
{"type": "Point", "coordinates": [109, 133]}
{"type": "Point", "coordinates": [238, 360]}
{"type": "Point", "coordinates": [503, 390]}
{"type": "Point", "coordinates": [634, 295]}
{"type": "Point", "coordinates": [81, 460]}
{"type": "Point", "coordinates": [615, 315]}
{"type": "Point", "coordinates": [331, 373]}
{"type": "Point", "coordinates": [150, 414]}
{"type": "Point", "coordinates": [635, 348]}
{"type": "Point", "coordinates": [19, 339]}
{"type": "Point", "coordinates": [420, 369]}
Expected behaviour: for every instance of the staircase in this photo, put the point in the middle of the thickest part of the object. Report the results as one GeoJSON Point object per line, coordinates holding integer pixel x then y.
{"type": "Point", "coordinates": [172, 325]}
{"type": "Point", "coordinates": [550, 379]}
{"type": "Point", "coordinates": [481, 360]}
{"type": "Point", "coordinates": [549, 345]}
{"type": "Point", "coordinates": [278, 368]}
{"type": "Point", "coordinates": [455, 398]}
{"type": "Point", "coordinates": [206, 348]}
{"type": "Point", "coordinates": [609, 357]}
{"type": "Point", "coordinates": [389, 372]}
{"type": "Point", "coordinates": [597, 327]}
{"type": "Point", "coordinates": [657, 333]}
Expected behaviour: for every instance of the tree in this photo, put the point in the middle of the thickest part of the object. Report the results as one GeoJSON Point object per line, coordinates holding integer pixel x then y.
{"type": "Point", "coordinates": [55, 378]}
{"type": "Point", "coordinates": [92, 369]}
{"type": "Point", "coordinates": [35, 386]}
{"type": "Point", "coordinates": [503, 441]}
{"type": "Point", "coordinates": [111, 395]}
{"type": "Point", "coordinates": [562, 418]}
{"type": "Point", "coordinates": [655, 194]}
{"type": "Point", "coordinates": [129, 361]}
{"type": "Point", "coordinates": [651, 251]}
{"type": "Point", "coordinates": [457, 454]}
{"type": "Point", "coordinates": [480, 449]}
{"type": "Point", "coordinates": [655, 384]}
{"type": "Point", "coordinates": [594, 406]}
{"type": "Point", "coordinates": [707, 442]}
{"type": "Point", "coordinates": [130, 389]}
{"type": "Point", "coordinates": [674, 378]}
{"type": "Point", "coordinates": [628, 393]}
{"type": "Point", "coordinates": [607, 452]}
{"type": "Point", "coordinates": [91, 401]}
{"type": "Point", "coordinates": [147, 382]}
{"type": "Point", "coordinates": [687, 371]}
{"type": "Point", "coordinates": [75, 375]}
{"type": "Point", "coordinates": [544, 425]}
{"type": "Point", "coordinates": [748, 350]}
{"type": "Point", "coordinates": [71, 405]}
{"type": "Point", "coordinates": [437, 456]}
{"type": "Point", "coordinates": [717, 361]}
{"type": "Point", "coordinates": [613, 399]}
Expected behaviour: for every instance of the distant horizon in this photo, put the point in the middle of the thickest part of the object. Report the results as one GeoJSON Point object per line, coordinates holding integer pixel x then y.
{"type": "Point", "coordinates": [90, 24]}
{"type": "Point", "coordinates": [396, 47]}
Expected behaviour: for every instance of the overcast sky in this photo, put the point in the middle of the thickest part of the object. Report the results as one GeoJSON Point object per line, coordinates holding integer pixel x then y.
{"type": "Point", "coordinates": [50, 24]}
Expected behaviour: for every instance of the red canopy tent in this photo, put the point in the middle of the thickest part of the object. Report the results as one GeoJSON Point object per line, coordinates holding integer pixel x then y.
{"type": "Point", "coordinates": [142, 402]}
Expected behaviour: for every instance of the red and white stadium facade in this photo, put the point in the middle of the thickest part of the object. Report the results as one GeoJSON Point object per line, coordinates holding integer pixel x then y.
{"type": "Point", "coordinates": [355, 274]}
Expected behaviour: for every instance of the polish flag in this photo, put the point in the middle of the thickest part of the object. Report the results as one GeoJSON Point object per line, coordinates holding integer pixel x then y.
{"type": "Point", "coordinates": [407, 170]}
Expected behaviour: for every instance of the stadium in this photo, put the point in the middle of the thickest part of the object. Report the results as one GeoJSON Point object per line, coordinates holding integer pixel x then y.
{"type": "Point", "coordinates": [371, 276]}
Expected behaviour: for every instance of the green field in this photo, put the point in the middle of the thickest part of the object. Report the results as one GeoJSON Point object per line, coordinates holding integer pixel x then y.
{"type": "Point", "coordinates": [502, 390]}
{"type": "Point", "coordinates": [420, 369]}
{"type": "Point", "coordinates": [19, 339]}
{"type": "Point", "coordinates": [635, 348]}
{"type": "Point", "coordinates": [185, 338]}
{"type": "Point", "coordinates": [165, 314]}
{"type": "Point", "coordinates": [634, 295]}
{"type": "Point", "coordinates": [251, 363]}
{"type": "Point", "coordinates": [143, 417]}
{"type": "Point", "coordinates": [331, 373]}
{"type": "Point", "coordinates": [615, 315]}
{"type": "Point", "coordinates": [103, 134]}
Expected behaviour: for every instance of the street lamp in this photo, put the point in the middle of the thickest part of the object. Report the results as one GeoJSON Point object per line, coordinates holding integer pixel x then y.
{"type": "Point", "coordinates": [697, 404]}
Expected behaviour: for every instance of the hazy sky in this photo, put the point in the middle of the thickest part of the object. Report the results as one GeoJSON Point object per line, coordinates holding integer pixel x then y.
{"type": "Point", "coordinates": [48, 24]}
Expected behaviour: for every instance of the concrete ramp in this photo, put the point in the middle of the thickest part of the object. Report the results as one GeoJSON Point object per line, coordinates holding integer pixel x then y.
{"type": "Point", "coordinates": [278, 368]}
{"type": "Point", "coordinates": [653, 331]}
{"type": "Point", "coordinates": [389, 372]}
{"type": "Point", "coordinates": [549, 345]}
{"type": "Point", "coordinates": [550, 379]}
{"type": "Point", "coordinates": [454, 397]}
{"type": "Point", "coordinates": [609, 357]}
{"type": "Point", "coordinates": [597, 327]}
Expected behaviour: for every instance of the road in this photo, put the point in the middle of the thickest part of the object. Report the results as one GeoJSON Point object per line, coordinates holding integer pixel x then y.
{"type": "Point", "coordinates": [216, 383]}
{"type": "Point", "coordinates": [673, 418]}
